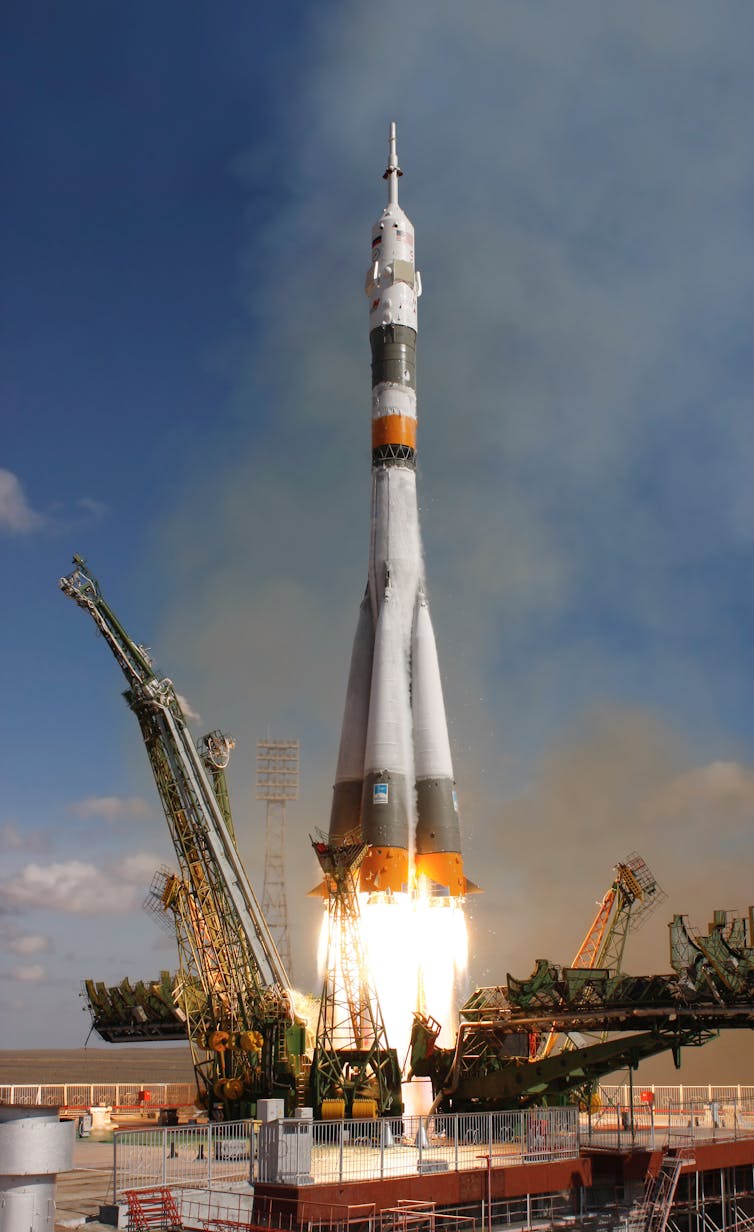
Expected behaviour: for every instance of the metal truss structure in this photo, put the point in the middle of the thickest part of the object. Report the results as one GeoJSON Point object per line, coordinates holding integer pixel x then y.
{"type": "Point", "coordinates": [233, 987]}
{"type": "Point", "coordinates": [634, 895]}
{"type": "Point", "coordinates": [711, 988]}
{"type": "Point", "coordinates": [277, 783]}
{"type": "Point", "coordinates": [354, 1073]}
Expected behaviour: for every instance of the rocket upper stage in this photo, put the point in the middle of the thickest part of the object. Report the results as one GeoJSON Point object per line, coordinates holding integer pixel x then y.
{"type": "Point", "coordinates": [394, 780]}
{"type": "Point", "coordinates": [393, 287]}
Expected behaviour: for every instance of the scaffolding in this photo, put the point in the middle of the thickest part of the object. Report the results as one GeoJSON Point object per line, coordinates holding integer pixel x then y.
{"type": "Point", "coordinates": [277, 783]}
{"type": "Point", "coordinates": [354, 1071]}
{"type": "Point", "coordinates": [234, 991]}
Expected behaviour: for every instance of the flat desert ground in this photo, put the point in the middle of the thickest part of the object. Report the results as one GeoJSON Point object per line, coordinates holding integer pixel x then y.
{"type": "Point", "coordinates": [729, 1059]}
{"type": "Point", "coordinates": [112, 1064]}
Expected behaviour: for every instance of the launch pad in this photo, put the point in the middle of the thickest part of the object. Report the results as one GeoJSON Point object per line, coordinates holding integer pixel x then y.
{"type": "Point", "coordinates": [522, 1169]}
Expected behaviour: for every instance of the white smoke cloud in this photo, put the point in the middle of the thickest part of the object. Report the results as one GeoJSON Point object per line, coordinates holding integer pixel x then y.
{"type": "Point", "coordinates": [192, 715]}
{"type": "Point", "coordinates": [618, 781]}
{"type": "Point", "coordinates": [720, 790]}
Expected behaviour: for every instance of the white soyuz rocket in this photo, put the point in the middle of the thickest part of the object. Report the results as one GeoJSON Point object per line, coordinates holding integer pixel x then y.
{"type": "Point", "coordinates": [394, 780]}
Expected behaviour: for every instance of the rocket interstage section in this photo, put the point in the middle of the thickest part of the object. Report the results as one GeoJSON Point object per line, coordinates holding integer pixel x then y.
{"type": "Point", "coordinates": [394, 781]}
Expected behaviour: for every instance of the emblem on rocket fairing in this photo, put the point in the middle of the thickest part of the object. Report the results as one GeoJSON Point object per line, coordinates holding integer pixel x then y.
{"type": "Point", "coordinates": [394, 779]}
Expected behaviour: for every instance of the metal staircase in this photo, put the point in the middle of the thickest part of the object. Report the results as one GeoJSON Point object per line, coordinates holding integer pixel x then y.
{"type": "Point", "coordinates": [651, 1214]}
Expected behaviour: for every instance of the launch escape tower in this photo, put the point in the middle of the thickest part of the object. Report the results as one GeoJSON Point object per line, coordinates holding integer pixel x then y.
{"type": "Point", "coordinates": [277, 783]}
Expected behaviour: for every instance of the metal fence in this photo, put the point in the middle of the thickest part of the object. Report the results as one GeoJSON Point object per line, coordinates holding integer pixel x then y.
{"type": "Point", "coordinates": [281, 1214]}
{"type": "Point", "coordinates": [360, 1150]}
{"type": "Point", "coordinates": [230, 1211]}
{"type": "Point", "coordinates": [677, 1096]}
{"type": "Point", "coordinates": [408, 1215]}
{"type": "Point", "coordinates": [199, 1156]}
{"type": "Point", "coordinates": [203, 1156]}
{"type": "Point", "coordinates": [215, 1208]}
{"type": "Point", "coordinates": [78, 1096]}
{"type": "Point", "coordinates": [652, 1125]}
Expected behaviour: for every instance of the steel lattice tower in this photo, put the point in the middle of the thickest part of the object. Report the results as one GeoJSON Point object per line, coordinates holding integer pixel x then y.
{"type": "Point", "coordinates": [277, 782]}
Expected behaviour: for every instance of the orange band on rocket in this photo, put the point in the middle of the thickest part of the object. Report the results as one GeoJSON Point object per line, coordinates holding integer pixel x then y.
{"type": "Point", "coordinates": [394, 430]}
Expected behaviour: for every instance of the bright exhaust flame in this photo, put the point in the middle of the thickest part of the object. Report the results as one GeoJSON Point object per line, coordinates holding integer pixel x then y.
{"type": "Point", "coordinates": [390, 940]}
{"type": "Point", "coordinates": [443, 946]}
{"type": "Point", "coordinates": [417, 952]}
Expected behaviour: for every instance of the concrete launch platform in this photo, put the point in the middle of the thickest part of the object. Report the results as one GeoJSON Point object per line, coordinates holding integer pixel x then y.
{"type": "Point", "coordinates": [79, 1194]}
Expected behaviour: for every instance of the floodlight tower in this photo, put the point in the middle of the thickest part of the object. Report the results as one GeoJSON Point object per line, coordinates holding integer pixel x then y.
{"type": "Point", "coordinates": [277, 782]}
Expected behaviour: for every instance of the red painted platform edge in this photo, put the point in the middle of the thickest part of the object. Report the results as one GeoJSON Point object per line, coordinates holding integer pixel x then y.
{"type": "Point", "coordinates": [309, 1202]}
{"type": "Point", "coordinates": [634, 1165]}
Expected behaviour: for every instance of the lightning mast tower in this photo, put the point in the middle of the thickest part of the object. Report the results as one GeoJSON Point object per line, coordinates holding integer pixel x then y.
{"type": "Point", "coordinates": [277, 783]}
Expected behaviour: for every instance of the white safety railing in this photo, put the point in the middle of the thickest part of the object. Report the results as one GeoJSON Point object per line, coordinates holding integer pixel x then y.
{"type": "Point", "coordinates": [190, 1155]}
{"type": "Point", "coordinates": [653, 1124]}
{"type": "Point", "coordinates": [206, 1156]}
{"type": "Point", "coordinates": [78, 1096]}
{"type": "Point", "coordinates": [403, 1146]}
{"type": "Point", "coordinates": [680, 1095]}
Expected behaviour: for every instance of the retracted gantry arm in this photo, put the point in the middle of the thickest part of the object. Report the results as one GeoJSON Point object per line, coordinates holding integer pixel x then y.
{"type": "Point", "coordinates": [246, 991]}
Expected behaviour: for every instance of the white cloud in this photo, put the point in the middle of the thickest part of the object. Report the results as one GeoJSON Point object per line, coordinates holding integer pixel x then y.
{"type": "Point", "coordinates": [29, 975]}
{"type": "Point", "coordinates": [138, 869]}
{"type": "Point", "coordinates": [16, 514]}
{"type": "Point", "coordinates": [14, 839]}
{"type": "Point", "coordinates": [111, 808]}
{"type": "Point", "coordinates": [77, 887]}
{"type": "Point", "coordinates": [96, 509]}
{"type": "Point", "coordinates": [27, 944]}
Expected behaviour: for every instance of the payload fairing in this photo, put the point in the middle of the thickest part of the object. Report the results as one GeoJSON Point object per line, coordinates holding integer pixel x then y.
{"type": "Point", "coordinates": [394, 778]}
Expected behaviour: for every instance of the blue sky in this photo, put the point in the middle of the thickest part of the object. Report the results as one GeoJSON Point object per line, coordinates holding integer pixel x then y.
{"type": "Point", "coordinates": [185, 387]}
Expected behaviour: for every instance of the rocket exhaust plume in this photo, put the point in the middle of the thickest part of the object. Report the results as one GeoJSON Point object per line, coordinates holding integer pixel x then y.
{"type": "Point", "coordinates": [394, 779]}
